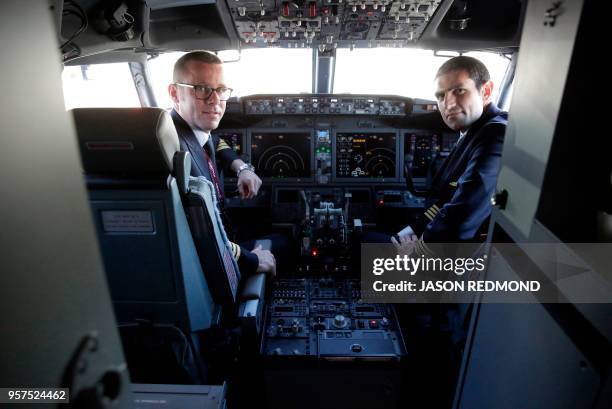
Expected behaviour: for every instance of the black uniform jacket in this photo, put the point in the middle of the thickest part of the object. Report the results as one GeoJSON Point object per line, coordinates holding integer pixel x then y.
{"type": "Point", "coordinates": [465, 182]}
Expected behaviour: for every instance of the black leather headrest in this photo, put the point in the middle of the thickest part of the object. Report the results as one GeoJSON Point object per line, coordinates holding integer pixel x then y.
{"type": "Point", "coordinates": [127, 141]}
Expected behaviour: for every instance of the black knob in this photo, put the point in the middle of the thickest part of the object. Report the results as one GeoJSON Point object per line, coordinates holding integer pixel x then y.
{"type": "Point", "coordinates": [500, 199]}
{"type": "Point", "coordinates": [356, 348]}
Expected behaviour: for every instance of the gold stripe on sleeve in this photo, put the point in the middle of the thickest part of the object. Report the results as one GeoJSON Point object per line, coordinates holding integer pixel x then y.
{"type": "Point", "coordinates": [222, 145]}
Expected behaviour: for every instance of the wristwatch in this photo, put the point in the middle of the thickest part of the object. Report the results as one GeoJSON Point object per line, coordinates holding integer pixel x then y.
{"type": "Point", "coordinates": [245, 166]}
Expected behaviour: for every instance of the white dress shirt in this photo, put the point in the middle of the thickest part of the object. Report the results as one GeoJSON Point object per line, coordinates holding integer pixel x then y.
{"type": "Point", "coordinates": [201, 136]}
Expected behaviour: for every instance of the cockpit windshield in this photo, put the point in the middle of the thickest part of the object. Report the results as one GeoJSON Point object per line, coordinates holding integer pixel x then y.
{"type": "Point", "coordinates": [379, 71]}
{"type": "Point", "coordinates": [403, 72]}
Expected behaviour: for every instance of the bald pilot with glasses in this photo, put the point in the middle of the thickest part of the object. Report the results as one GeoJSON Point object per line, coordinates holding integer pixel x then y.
{"type": "Point", "coordinates": [199, 94]}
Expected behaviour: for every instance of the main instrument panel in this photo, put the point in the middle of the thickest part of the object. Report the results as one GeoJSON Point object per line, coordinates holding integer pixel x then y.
{"type": "Point", "coordinates": [326, 139]}
{"type": "Point", "coordinates": [370, 156]}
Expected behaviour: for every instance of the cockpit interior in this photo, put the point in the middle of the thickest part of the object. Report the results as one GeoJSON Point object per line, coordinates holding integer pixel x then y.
{"type": "Point", "coordinates": [333, 105]}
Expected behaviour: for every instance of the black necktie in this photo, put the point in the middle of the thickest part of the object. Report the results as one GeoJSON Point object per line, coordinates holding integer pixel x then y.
{"type": "Point", "coordinates": [212, 169]}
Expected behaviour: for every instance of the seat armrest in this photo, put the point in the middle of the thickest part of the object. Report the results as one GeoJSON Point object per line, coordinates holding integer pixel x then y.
{"type": "Point", "coordinates": [254, 287]}
{"type": "Point", "coordinates": [250, 316]}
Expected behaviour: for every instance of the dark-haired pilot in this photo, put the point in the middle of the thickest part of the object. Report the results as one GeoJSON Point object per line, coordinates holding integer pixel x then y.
{"type": "Point", "coordinates": [464, 183]}
{"type": "Point", "coordinates": [199, 94]}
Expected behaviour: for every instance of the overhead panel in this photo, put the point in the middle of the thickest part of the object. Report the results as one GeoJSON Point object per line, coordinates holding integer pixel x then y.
{"type": "Point", "coordinates": [329, 24]}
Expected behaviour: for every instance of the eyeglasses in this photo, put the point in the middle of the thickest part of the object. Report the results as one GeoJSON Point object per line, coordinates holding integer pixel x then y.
{"type": "Point", "coordinates": [204, 91]}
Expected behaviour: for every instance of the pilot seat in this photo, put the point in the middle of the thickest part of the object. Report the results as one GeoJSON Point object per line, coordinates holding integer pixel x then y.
{"type": "Point", "coordinates": [175, 288]}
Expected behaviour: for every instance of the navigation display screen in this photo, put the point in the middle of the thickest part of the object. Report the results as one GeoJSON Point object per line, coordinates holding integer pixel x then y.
{"type": "Point", "coordinates": [281, 155]}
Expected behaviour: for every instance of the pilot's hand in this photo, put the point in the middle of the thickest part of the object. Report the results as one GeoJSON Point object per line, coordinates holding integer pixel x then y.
{"type": "Point", "coordinates": [267, 262]}
{"type": "Point", "coordinates": [405, 245]}
{"type": "Point", "coordinates": [248, 184]}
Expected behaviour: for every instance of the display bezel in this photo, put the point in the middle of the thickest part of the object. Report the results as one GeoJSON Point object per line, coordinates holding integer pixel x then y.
{"type": "Point", "coordinates": [336, 132]}
{"type": "Point", "coordinates": [311, 159]}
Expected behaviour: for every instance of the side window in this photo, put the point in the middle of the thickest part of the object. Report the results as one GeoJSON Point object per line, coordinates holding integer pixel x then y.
{"type": "Point", "coordinates": [99, 85]}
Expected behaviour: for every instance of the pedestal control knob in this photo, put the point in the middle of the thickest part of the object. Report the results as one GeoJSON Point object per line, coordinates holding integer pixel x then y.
{"type": "Point", "coordinates": [339, 321]}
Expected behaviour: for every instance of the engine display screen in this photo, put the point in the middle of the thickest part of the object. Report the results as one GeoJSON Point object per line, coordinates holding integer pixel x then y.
{"type": "Point", "coordinates": [281, 155]}
{"type": "Point", "coordinates": [365, 155]}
